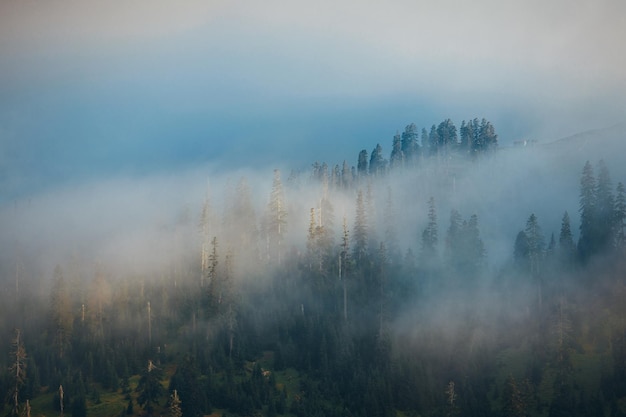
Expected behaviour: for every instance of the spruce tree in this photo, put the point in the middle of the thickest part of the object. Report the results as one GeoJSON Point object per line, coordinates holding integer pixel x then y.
{"type": "Point", "coordinates": [396, 160]}
{"type": "Point", "coordinates": [409, 146]}
{"type": "Point", "coordinates": [360, 229]}
{"type": "Point", "coordinates": [567, 248]}
{"type": "Point", "coordinates": [362, 166]}
{"type": "Point", "coordinates": [429, 235]}
{"type": "Point", "coordinates": [276, 219]}
{"type": "Point", "coordinates": [536, 243]}
{"type": "Point", "coordinates": [620, 216]}
{"type": "Point", "coordinates": [378, 163]}
{"type": "Point", "coordinates": [587, 238]}
{"type": "Point", "coordinates": [605, 206]}
{"type": "Point", "coordinates": [149, 388]}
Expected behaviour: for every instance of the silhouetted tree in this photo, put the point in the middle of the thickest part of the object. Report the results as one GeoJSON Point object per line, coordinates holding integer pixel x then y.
{"type": "Point", "coordinates": [378, 163]}
{"type": "Point", "coordinates": [149, 388]}
{"type": "Point", "coordinates": [362, 166]}
{"type": "Point", "coordinates": [588, 213]}
{"type": "Point", "coordinates": [396, 159]}
{"type": "Point", "coordinates": [567, 248]}
{"type": "Point", "coordinates": [409, 146]}
{"type": "Point", "coordinates": [620, 216]}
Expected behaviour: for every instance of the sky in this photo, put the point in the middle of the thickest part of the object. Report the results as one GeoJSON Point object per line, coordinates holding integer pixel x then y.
{"type": "Point", "coordinates": [95, 89]}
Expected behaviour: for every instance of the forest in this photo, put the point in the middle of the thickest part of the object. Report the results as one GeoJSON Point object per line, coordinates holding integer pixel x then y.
{"type": "Point", "coordinates": [434, 282]}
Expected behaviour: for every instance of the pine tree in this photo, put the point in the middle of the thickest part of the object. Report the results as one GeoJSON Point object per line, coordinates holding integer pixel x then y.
{"type": "Point", "coordinates": [567, 248]}
{"type": "Point", "coordinates": [588, 215]}
{"type": "Point", "coordinates": [429, 235]}
{"type": "Point", "coordinates": [453, 236]}
{"type": "Point", "coordinates": [409, 145]}
{"type": "Point", "coordinates": [521, 251]}
{"type": "Point", "coordinates": [360, 229]}
{"type": "Point", "coordinates": [536, 243]}
{"type": "Point", "coordinates": [605, 206]}
{"type": "Point", "coordinates": [396, 160]}
{"type": "Point", "coordinates": [447, 134]}
{"type": "Point", "coordinates": [344, 266]}
{"type": "Point", "coordinates": [620, 216]}
{"type": "Point", "coordinates": [205, 226]}
{"type": "Point", "coordinates": [536, 253]}
{"type": "Point", "coordinates": [149, 388]}
{"type": "Point", "coordinates": [467, 134]}
{"type": "Point", "coordinates": [425, 142]}
{"type": "Point", "coordinates": [378, 163]}
{"type": "Point", "coordinates": [346, 175]}
{"type": "Point", "coordinates": [487, 136]}
{"type": "Point", "coordinates": [381, 277]}
{"type": "Point", "coordinates": [515, 404]}
{"type": "Point", "coordinates": [362, 167]}
{"type": "Point", "coordinates": [433, 141]}
{"type": "Point", "coordinates": [277, 219]}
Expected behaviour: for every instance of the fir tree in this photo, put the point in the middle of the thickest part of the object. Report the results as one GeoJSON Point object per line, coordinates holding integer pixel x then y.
{"type": "Point", "coordinates": [396, 160]}
{"type": "Point", "coordinates": [277, 219]}
{"type": "Point", "coordinates": [409, 145]}
{"type": "Point", "coordinates": [605, 206]}
{"type": "Point", "coordinates": [360, 229]}
{"type": "Point", "coordinates": [587, 239]}
{"type": "Point", "coordinates": [149, 388]}
{"type": "Point", "coordinates": [429, 235]}
{"type": "Point", "coordinates": [362, 166]}
{"type": "Point", "coordinates": [567, 248]}
{"type": "Point", "coordinates": [378, 163]}
{"type": "Point", "coordinates": [620, 216]}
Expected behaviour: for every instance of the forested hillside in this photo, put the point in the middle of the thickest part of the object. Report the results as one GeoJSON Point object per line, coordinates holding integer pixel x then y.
{"type": "Point", "coordinates": [443, 277]}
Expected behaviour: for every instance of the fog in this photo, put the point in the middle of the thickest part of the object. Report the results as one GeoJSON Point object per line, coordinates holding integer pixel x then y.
{"type": "Point", "coordinates": [141, 224]}
{"type": "Point", "coordinates": [101, 89]}
{"type": "Point", "coordinates": [138, 149]}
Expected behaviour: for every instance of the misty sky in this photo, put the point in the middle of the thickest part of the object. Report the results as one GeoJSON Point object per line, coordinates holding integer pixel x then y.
{"type": "Point", "coordinates": [90, 89]}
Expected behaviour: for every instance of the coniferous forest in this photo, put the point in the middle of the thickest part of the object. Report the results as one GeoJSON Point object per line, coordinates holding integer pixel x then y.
{"type": "Point", "coordinates": [403, 282]}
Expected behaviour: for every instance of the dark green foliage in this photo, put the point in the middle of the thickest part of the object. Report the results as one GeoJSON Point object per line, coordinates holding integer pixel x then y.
{"type": "Point", "coordinates": [409, 144]}
{"type": "Point", "coordinates": [79, 406]}
{"type": "Point", "coordinates": [186, 383]}
{"type": "Point", "coordinates": [362, 165]}
{"type": "Point", "coordinates": [149, 389]}
{"type": "Point", "coordinates": [349, 327]}
{"type": "Point", "coordinates": [588, 213]}
{"type": "Point", "coordinates": [620, 217]}
{"type": "Point", "coordinates": [567, 247]}
{"type": "Point", "coordinates": [396, 160]}
{"type": "Point", "coordinates": [378, 163]}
